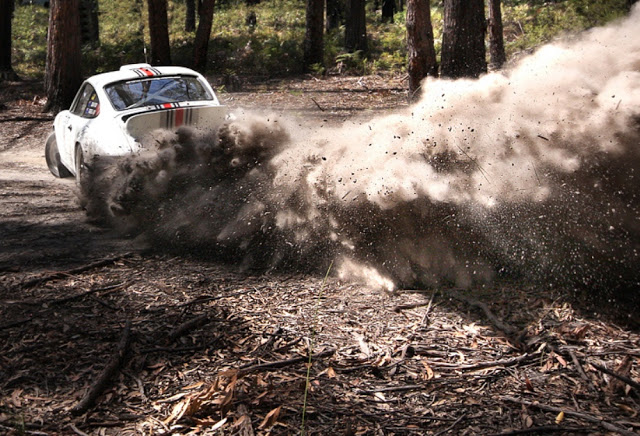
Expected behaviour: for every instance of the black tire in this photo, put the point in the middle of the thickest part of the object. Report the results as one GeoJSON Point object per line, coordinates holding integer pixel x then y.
{"type": "Point", "coordinates": [52, 157]}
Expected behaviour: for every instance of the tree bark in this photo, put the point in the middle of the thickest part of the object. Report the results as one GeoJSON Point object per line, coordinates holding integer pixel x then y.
{"type": "Point", "coordinates": [6, 15]}
{"type": "Point", "coordinates": [159, 32]}
{"type": "Point", "coordinates": [89, 22]}
{"type": "Point", "coordinates": [313, 39]}
{"type": "Point", "coordinates": [422, 54]}
{"type": "Point", "coordinates": [63, 75]}
{"type": "Point", "coordinates": [388, 9]}
{"type": "Point", "coordinates": [190, 18]}
{"type": "Point", "coordinates": [355, 34]}
{"type": "Point", "coordinates": [335, 13]}
{"type": "Point", "coordinates": [203, 34]}
{"type": "Point", "coordinates": [496, 39]}
{"type": "Point", "coordinates": [463, 50]}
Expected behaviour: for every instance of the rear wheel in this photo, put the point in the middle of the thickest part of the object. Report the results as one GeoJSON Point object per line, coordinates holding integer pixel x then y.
{"type": "Point", "coordinates": [52, 156]}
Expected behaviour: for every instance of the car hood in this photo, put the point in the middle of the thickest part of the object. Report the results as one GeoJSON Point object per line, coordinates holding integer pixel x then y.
{"type": "Point", "coordinates": [207, 118]}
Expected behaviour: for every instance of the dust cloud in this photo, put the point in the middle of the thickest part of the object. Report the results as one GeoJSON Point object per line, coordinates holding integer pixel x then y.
{"type": "Point", "coordinates": [529, 173]}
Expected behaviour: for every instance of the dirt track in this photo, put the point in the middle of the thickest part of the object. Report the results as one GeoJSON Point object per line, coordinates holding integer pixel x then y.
{"type": "Point", "coordinates": [205, 346]}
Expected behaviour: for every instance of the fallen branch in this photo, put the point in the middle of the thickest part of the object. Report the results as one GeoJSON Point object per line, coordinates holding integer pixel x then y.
{"type": "Point", "coordinates": [585, 416]}
{"type": "Point", "coordinates": [543, 429]}
{"type": "Point", "coordinates": [61, 274]}
{"type": "Point", "coordinates": [89, 292]}
{"type": "Point", "coordinates": [451, 426]}
{"type": "Point", "coordinates": [15, 323]}
{"type": "Point", "coordinates": [390, 389]}
{"type": "Point", "coordinates": [580, 370]}
{"type": "Point", "coordinates": [282, 363]}
{"type": "Point", "coordinates": [507, 328]}
{"type": "Point", "coordinates": [401, 307]}
{"type": "Point", "coordinates": [76, 430]}
{"type": "Point", "coordinates": [317, 104]}
{"type": "Point", "coordinates": [187, 326]}
{"type": "Point", "coordinates": [213, 298]}
{"type": "Point", "coordinates": [109, 371]}
{"type": "Point", "coordinates": [20, 430]}
{"type": "Point", "coordinates": [627, 380]}
{"type": "Point", "coordinates": [502, 362]}
{"type": "Point", "coordinates": [140, 384]}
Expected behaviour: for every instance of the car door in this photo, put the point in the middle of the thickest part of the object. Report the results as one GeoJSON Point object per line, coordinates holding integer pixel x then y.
{"type": "Point", "coordinates": [84, 109]}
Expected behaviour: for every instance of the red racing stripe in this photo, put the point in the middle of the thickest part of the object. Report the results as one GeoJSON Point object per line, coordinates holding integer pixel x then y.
{"type": "Point", "coordinates": [179, 118]}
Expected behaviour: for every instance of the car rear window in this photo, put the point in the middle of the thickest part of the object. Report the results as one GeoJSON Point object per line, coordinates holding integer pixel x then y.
{"type": "Point", "coordinates": [156, 91]}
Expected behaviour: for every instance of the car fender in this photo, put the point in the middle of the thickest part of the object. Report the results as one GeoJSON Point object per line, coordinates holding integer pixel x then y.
{"type": "Point", "coordinates": [60, 123]}
{"type": "Point", "coordinates": [103, 138]}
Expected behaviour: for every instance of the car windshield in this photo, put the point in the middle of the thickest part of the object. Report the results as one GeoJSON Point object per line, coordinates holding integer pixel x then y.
{"type": "Point", "coordinates": [156, 91]}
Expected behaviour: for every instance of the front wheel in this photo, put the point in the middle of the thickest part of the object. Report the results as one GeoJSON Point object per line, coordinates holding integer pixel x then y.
{"type": "Point", "coordinates": [52, 156]}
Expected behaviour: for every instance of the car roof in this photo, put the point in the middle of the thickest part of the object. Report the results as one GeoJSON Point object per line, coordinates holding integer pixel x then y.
{"type": "Point", "coordinates": [138, 71]}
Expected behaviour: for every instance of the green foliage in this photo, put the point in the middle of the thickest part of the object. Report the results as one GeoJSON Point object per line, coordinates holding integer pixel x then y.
{"type": "Point", "coordinates": [532, 23]}
{"type": "Point", "coordinates": [274, 45]}
{"type": "Point", "coordinates": [29, 42]}
{"type": "Point", "coordinates": [354, 62]}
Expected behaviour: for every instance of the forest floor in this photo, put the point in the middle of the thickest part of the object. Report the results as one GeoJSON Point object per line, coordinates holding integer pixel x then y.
{"type": "Point", "coordinates": [100, 336]}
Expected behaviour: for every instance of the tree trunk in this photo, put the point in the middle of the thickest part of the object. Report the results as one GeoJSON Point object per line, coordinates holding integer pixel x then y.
{"type": "Point", "coordinates": [388, 9]}
{"type": "Point", "coordinates": [355, 33]}
{"type": "Point", "coordinates": [203, 34]}
{"type": "Point", "coordinates": [463, 50]}
{"type": "Point", "coordinates": [334, 14]}
{"type": "Point", "coordinates": [89, 23]}
{"type": "Point", "coordinates": [190, 18]}
{"type": "Point", "coordinates": [422, 54]}
{"type": "Point", "coordinates": [63, 76]}
{"type": "Point", "coordinates": [159, 32]}
{"type": "Point", "coordinates": [496, 40]}
{"type": "Point", "coordinates": [313, 39]}
{"type": "Point", "coordinates": [6, 15]}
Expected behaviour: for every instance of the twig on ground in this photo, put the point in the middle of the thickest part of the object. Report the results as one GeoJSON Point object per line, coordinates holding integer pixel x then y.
{"type": "Point", "coordinates": [425, 318]}
{"type": "Point", "coordinates": [282, 363]}
{"type": "Point", "coordinates": [187, 326]}
{"type": "Point", "coordinates": [507, 328]}
{"type": "Point", "coordinates": [317, 104]}
{"type": "Point", "coordinates": [216, 297]}
{"type": "Point", "coordinates": [287, 345]}
{"type": "Point", "coordinates": [401, 307]}
{"type": "Point", "coordinates": [585, 416]}
{"type": "Point", "coordinates": [543, 429]}
{"type": "Point", "coordinates": [23, 431]}
{"type": "Point", "coordinates": [390, 389]}
{"type": "Point", "coordinates": [60, 274]}
{"type": "Point", "coordinates": [109, 371]}
{"type": "Point", "coordinates": [140, 384]}
{"type": "Point", "coordinates": [76, 430]}
{"type": "Point", "coordinates": [15, 323]}
{"type": "Point", "coordinates": [188, 349]}
{"type": "Point", "coordinates": [480, 365]}
{"type": "Point", "coordinates": [89, 292]}
{"type": "Point", "coordinates": [579, 368]}
{"type": "Point", "coordinates": [627, 380]}
{"type": "Point", "coordinates": [451, 426]}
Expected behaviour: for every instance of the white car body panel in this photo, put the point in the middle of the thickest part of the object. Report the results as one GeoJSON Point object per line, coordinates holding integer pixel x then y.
{"type": "Point", "coordinates": [97, 125]}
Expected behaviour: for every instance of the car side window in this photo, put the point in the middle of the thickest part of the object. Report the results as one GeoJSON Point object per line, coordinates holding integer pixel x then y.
{"type": "Point", "coordinates": [87, 105]}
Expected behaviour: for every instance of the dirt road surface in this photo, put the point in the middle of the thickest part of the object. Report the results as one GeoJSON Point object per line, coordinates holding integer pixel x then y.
{"type": "Point", "coordinates": [101, 336]}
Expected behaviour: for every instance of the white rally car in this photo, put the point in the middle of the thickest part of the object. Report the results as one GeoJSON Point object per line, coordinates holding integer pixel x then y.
{"type": "Point", "coordinates": [112, 111]}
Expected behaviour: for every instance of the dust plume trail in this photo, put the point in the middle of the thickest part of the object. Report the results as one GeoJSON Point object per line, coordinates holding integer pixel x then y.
{"type": "Point", "coordinates": [529, 173]}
